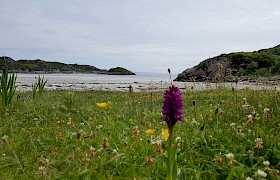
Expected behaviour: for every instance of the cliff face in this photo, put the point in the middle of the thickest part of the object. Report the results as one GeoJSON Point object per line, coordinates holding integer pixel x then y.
{"type": "Point", "coordinates": [41, 66]}
{"type": "Point", "coordinates": [229, 67]}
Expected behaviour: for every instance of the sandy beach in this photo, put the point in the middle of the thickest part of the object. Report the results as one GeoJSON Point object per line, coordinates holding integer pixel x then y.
{"type": "Point", "coordinates": [24, 83]}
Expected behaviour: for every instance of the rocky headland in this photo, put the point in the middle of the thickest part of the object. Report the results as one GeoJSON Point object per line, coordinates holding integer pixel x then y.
{"type": "Point", "coordinates": [39, 66]}
{"type": "Point", "coordinates": [239, 66]}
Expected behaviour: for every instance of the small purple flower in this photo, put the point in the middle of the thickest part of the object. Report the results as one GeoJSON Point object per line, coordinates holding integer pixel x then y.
{"type": "Point", "coordinates": [172, 109]}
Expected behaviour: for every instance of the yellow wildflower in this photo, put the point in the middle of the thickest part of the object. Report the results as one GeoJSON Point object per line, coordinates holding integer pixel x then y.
{"type": "Point", "coordinates": [103, 105]}
{"type": "Point", "coordinates": [165, 133]}
{"type": "Point", "coordinates": [150, 131]}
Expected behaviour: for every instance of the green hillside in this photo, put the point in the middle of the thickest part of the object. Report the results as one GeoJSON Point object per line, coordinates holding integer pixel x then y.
{"type": "Point", "coordinates": [41, 66]}
{"type": "Point", "coordinates": [242, 65]}
{"type": "Point", "coordinates": [44, 66]}
{"type": "Point", "coordinates": [264, 62]}
{"type": "Point", "coordinates": [119, 70]}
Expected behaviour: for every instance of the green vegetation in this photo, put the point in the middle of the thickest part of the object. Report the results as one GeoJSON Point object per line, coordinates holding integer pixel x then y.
{"type": "Point", "coordinates": [69, 100]}
{"type": "Point", "coordinates": [38, 87]}
{"type": "Point", "coordinates": [264, 62]}
{"type": "Point", "coordinates": [7, 86]}
{"type": "Point", "coordinates": [262, 65]}
{"type": "Point", "coordinates": [226, 134]}
{"type": "Point", "coordinates": [119, 70]}
{"type": "Point", "coordinates": [47, 67]}
{"type": "Point", "coordinates": [40, 66]}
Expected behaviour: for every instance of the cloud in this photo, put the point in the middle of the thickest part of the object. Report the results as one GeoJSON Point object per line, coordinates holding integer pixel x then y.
{"type": "Point", "coordinates": [141, 35]}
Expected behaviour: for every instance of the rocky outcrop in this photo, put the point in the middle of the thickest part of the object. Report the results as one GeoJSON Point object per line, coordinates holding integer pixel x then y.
{"type": "Point", "coordinates": [240, 65]}
{"type": "Point", "coordinates": [213, 70]}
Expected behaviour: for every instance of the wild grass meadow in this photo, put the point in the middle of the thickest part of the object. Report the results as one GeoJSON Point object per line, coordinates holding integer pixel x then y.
{"type": "Point", "coordinates": [226, 134]}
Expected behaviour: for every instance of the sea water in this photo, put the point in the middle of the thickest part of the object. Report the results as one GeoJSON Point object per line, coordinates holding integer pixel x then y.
{"type": "Point", "coordinates": [142, 81]}
{"type": "Point", "coordinates": [140, 77]}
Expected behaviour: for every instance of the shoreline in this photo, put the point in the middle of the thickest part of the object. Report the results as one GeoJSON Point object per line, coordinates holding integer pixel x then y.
{"type": "Point", "coordinates": [25, 84]}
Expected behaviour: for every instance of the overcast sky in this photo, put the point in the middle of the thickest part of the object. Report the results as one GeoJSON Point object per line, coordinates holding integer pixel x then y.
{"type": "Point", "coordinates": [141, 35]}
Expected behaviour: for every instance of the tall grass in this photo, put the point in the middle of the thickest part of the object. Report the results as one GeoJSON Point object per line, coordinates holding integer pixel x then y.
{"type": "Point", "coordinates": [91, 142]}
{"type": "Point", "coordinates": [69, 100]}
{"type": "Point", "coordinates": [38, 87]}
{"type": "Point", "coordinates": [7, 86]}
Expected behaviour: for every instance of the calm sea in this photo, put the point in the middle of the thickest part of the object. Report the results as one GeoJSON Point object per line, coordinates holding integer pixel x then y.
{"type": "Point", "coordinates": [141, 77]}
{"type": "Point", "coordinates": [97, 81]}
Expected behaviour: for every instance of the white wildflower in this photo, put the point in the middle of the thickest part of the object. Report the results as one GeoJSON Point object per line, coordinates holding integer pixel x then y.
{"type": "Point", "coordinates": [266, 110]}
{"type": "Point", "coordinates": [5, 138]}
{"type": "Point", "coordinates": [245, 106]}
{"type": "Point", "coordinates": [260, 174]}
{"type": "Point", "coordinates": [258, 143]}
{"type": "Point", "coordinates": [250, 117]}
{"type": "Point", "coordinates": [249, 178]}
{"type": "Point", "coordinates": [91, 148]}
{"type": "Point", "coordinates": [98, 127]}
{"type": "Point", "coordinates": [115, 151]}
{"type": "Point", "coordinates": [178, 139]}
{"type": "Point", "coordinates": [229, 156]}
{"type": "Point", "coordinates": [266, 163]}
{"type": "Point", "coordinates": [41, 168]}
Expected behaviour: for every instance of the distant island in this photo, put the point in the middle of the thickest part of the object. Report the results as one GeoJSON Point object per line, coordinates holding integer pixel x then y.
{"type": "Point", "coordinates": [46, 67]}
{"type": "Point", "coordinates": [243, 66]}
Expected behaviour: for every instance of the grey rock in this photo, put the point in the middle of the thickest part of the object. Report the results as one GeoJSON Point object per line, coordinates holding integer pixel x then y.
{"type": "Point", "coordinates": [213, 70]}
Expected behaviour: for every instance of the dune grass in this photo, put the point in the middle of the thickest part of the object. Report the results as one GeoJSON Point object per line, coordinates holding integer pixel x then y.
{"type": "Point", "coordinates": [226, 134]}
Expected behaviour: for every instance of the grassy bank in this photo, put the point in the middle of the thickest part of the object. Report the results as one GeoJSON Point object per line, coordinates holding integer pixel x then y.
{"type": "Point", "coordinates": [66, 135]}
